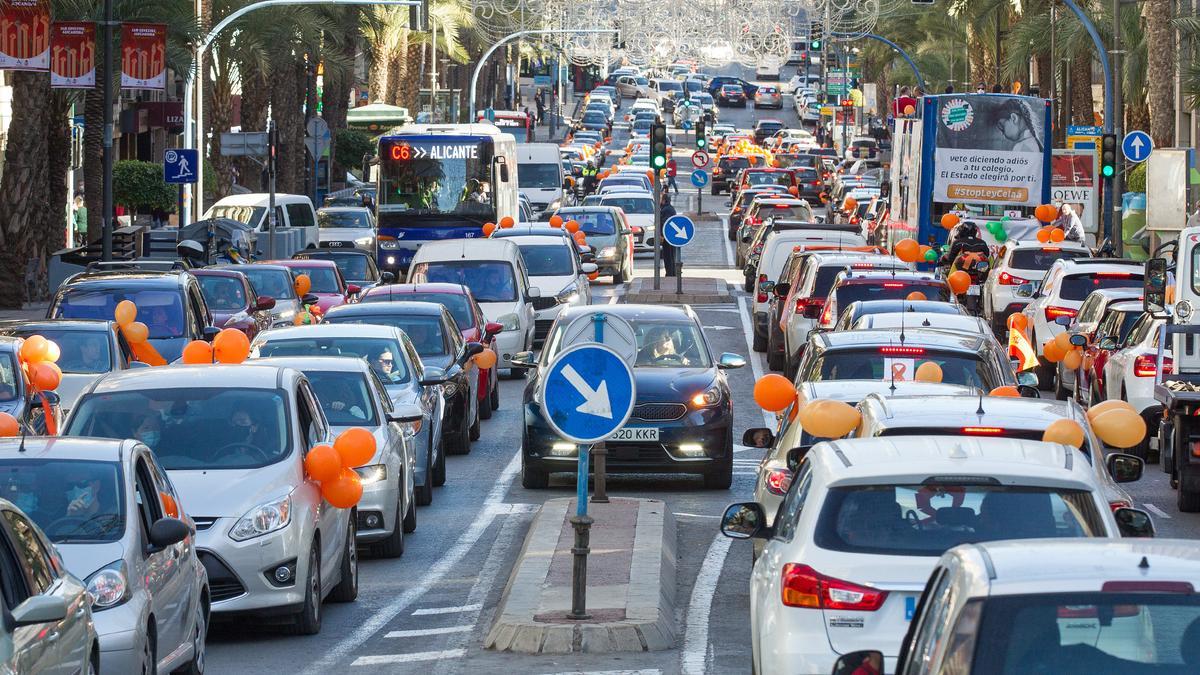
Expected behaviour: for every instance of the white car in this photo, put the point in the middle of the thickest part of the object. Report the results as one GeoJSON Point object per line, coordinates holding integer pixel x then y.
{"type": "Point", "coordinates": [1085, 323]}
{"type": "Point", "coordinates": [1021, 262]}
{"type": "Point", "coordinates": [639, 210]}
{"type": "Point", "coordinates": [552, 261]}
{"type": "Point", "coordinates": [1129, 372]}
{"type": "Point", "coordinates": [866, 520]}
{"type": "Point", "coordinates": [955, 323]}
{"type": "Point", "coordinates": [1061, 294]}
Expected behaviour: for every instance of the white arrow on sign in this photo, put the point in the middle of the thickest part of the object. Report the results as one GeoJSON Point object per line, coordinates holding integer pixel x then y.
{"type": "Point", "coordinates": [1137, 146]}
{"type": "Point", "coordinates": [595, 401]}
{"type": "Point", "coordinates": [418, 152]}
{"type": "Point", "coordinates": [679, 231]}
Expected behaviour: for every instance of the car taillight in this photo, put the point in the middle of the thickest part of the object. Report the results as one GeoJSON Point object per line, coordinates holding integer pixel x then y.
{"type": "Point", "coordinates": [1113, 275]}
{"type": "Point", "coordinates": [761, 297]}
{"type": "Point", "coordinates": [1053, 313]}
{"type": "Point", "coordinates": [1089, 611]}
{"type": "Point", "coordinates": [1115, 504]}
{"type": "Point", "coordinates": [1146, 365]}
{"type": "Point", "coordinates": [893, 284]}
{"type": "Point", "coordinates": [805, 587]}
{"type": "Point", "coordinates": [810, 308]}
{"type": "Point", "coordinates": [902, 351]}
{"type": "Point", "coordinates": [827, 316]}
{"type": "Point", "coordinates": [1007, 279]}
{"type": "Point", "coordinates": [778, 481]}
{"type": "Point", "coordinates": [982, 431]}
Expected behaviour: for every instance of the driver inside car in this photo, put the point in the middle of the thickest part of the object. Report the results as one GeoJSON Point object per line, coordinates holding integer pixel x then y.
{"type": "Point", "coordinates": [659, 347]}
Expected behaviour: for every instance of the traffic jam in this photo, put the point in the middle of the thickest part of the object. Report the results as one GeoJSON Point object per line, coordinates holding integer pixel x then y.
{"type": "Point", "coordinates": [923, 456]}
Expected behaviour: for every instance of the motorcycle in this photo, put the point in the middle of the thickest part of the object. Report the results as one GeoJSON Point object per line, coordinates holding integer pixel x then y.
{"type": "Point", "coordinates": [977, 265]}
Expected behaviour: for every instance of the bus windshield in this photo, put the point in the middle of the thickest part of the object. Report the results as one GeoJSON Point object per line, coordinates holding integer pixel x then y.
{"type": "Point", "coordinates": [436, 175]}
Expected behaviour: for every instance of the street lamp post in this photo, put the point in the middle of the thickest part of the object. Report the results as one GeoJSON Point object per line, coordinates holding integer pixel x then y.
{"type": "Point", "coordinates": [106, 236]}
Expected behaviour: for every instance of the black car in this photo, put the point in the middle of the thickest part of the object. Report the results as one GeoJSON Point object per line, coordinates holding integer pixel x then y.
{"type": "Point", "coordinates": [741, 204]}
{"type": "Point", "coordinates": [682, 420]}
{"type": "Point", "coordinates": [726, 171]}
{"type": "Point", "coordinates": [357, 267]}
{"type": "Point", "coordinates": [731, 95]}
{"type": "Point", "coordinates": [764, 129]}
{"type": "Point", "coordinates": [171, 304]}
{"type": "Point", "coordinates": [715, 84]}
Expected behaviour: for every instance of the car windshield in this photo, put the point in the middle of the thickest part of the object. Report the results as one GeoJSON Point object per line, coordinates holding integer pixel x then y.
{"type": "Point", "coordinates": [693, 85]}
{"type": "Point", "coordinates": [323, 279]}
{"type": "Point", "coordinates": [548, 260]}
{"type": "Point", "coordinates": [787, 211]}
{"type": "Point", "coordinates": [593, 222]}
{"type": "Point", "coordinates": [275, 283]}
{"type": "Point", "coordinates": [594, 117]}
{"type": "Point", "coordinates": [382, 353]}
{"type": "Point", "coordinates": [882, 363]}
{"type": "Point", "coordinates": [669, 85]}
{"type": "Point", "coordinates": [1079, 286]}
{"type": "Point", "coordinates": [224, 294]}
{"type": "Point", "coordinates": [192, 428]}
{"type": "Point", "coordinates": [81, 352]}
{"type": "Point", "coordinates": [353, 219]}
{"type": "Point", "coordinates": [926, 520]}
{"type": "Point", "coordinates": [891, 290]}
{"type": "Point", "coordinates": [539, 176]}
{"type": "Point", "coordinates": [458, 304]}
{"type": "Point", "coordinates": [249, 215]}
{"type": "Point", "coordinates": [703, 99]}
{"type": "Point", "coordinates": [489, 281]}
{"type": "Point", "coordinates": [161, 311]}
{"type": "Point", "coordinates": [631, 205]}
{"type": "Point", "coordinates": [642, 124]}
{"type": "Point", "coordinates": [425, 332]}
{"type": "Point", "coordinates": [353, 266]}
{"type": "Point", "coordinates": [73, 501]}
{"type": "Point", "coordinates": [670, 345]}
{"type": "Point", "coordinates": [733, 164]}
{"type": "Point", "coordinates": [731, 89]}
{"type": "Point", "coordinates": [344, 397]}
{"type": "Point", "coordinates": [1125, 628]}
{"type": "Point", "coordinates": [769, 177]}
{"type": "Point", "coordinates": [1042, 258]}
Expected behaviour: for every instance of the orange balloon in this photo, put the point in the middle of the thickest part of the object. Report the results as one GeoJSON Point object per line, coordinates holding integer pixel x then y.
{"type": "Point", "coordinates": [1067, 432]}
{"type": "Point", "coordinates": [302, 284]}
{"type": "Point", "coordinates": [231, 346]}
{"type": "Point", "coordinates": [1063, 340]}
{"type": "Point", "coordinates": [1105, 406]}
{"type": "Point", "coordinates": [485, 359]}
{"type": "Point", "coordinates": [1018, 322]}
{"type": "Point", "coordinates": [488, 229]}
{"type": "Point", "coordinates": [1052, 352]}
{"type": "Point", "coordinates": [1043, 235]}
{"type": "Point", "coordinates": [959, 281]}
{"type": "Point", "coordinates": [1057, 235]}
{"type": "Point", "coordinates": [52, 352]}
{"type": "Point", "coordinates": [925, 249]}
{"type": "Point", "coordinates": [302, 319]}
{"type": "Point", "coordinates": [580, 238]}
{"type": "Point", "coordinates": [45, 376]}
{"type": "Point", "coordinates": [928, 372]}
{"type": "Point", "coordinates": [752, 159]}
{"type": "Point", "coordinates": [125, 312]}
{"type": "Point", "coordinates": [323, 463]}
{"type": "Point", "coordinates": [1045, 213]}
{"type": "Point", "coordinates": [593, 276]}
{"type": "Point", "coordinates": [572, 226]}
{"type": "Point", "coordinates": [826, 418]}
{"type": "Point", "coordinates": [949, 220]}
{"type": "Point", "coordinates": [850, 204]}
{"type": "Point", "coordinates": [197, 352]}
{"type": "Point", "coordinates": [344, 491]}
{"type": "Point", "coordinates": [34, 349]}
{"type": "Point", "coordinates": [774, 392]}
{"type": "Point", "coordinates": [1073, 359]}
{"type": "Point", "coordinates": [908, 110]}
{"type": "Point", "coordinates": [794, 191]}
{"type": "Point", "coordinates": [507, 222]}
{"type": "Point", "coordinates": [136, 332]}
{"type": "Point", "coordinates": [556, 220]}
{"type": "Point", "coordinates": [356, 447]}
{"type": "Point", "coordinates": [916, 295]}
{"type": "Point", "coordinates": [1006, 390]}
{"type": "Point", "coordinates": [908, 250]}
{"type": "Point", "coordinates": [1119, 428]}
{"type": "Point", "coordinates": [8, 425]}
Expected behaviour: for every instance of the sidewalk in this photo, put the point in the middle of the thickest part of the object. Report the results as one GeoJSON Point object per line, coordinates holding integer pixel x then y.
{"type": "Point", "coordinates": [630, 590]}
{"type": "Point", "coordinates": [33, 310]}
{"type": "Point", "coordinates": [696, 291]}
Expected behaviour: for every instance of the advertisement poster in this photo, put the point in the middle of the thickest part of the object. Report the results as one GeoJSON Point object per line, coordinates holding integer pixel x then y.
{"type": "Point", "coordinates": [1073, 181]}
{"type": "Point", "coordinates": [989, 149]}
{"type": "Point", "coordinates": [143, 56]}
{"type": "Point", "coordinates": [73, 55]}
{"type": "Point", "coordinates": [25, 35]}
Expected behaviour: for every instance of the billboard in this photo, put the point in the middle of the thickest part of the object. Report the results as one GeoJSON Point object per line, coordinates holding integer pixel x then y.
{"type": "Point", "coordinates": [25, 35]}
{"type": "Point", "coordinates": [143, 56]}
{"type": "Point", "coordinates": [1073, 181]}
{"type": "Point", "coordinates": [73, 55]}
{"type": "Point", "coordinates": [990, 149]}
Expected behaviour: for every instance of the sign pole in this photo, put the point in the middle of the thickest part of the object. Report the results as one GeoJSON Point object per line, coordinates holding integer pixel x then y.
{"type": "Point", "coordinates": [657, 229]}
{"type": "Point", "coordinates": [582, 523]}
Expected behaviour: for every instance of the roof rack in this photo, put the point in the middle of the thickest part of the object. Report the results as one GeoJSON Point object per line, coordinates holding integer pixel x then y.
{"type": "Point", "coordinates": [1105, 261]}
{"type": "Point", "coordinates": [141, 264]}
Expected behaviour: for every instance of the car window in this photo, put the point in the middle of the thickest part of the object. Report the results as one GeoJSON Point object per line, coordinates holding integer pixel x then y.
{"type": "Point", "coordinates": [548, 260]}
{"type": "Point", "coordinates": [789, 510]}
{"type": "Point", "coordinates": [81, 351]}
{"type": "Point", "coordinates": [425, 331]}
{"type": "Point", "coordinates": [891, 290]}
{"type": "Point", "coordinates": [933, 604]}
{"type": "Point", "coordinates": [1042, 258]}
{"type": "Point", "coordinates": [161, 310]}
{"type": "Point", "coordinates": [146, 497]}
{"type": "Point", "coordinates": [15, 583]}
{"type": "Point", "coordinates": [458, 304]}
{"type": "Point", "coordinates": [346, 219]}
{"type": "Point", "coordinates": [223, 293]}
{"type": "Point", "coordinates": [670, 345]}
{"type": "Point", "coordinates": [275, 283]}
{"type": "Point", "coordinates": [344, 397]}
{"type": "Point", "coordinates": [71, 500]}
{"type": "Point", "coordinates": [33, 556]}
{"type": "Point", "coordinates": [1090, 310]}
{"type": "Point", "coordinates": [300, 215]}
{"type": "Point", "coordinates": [489, 281]}
{"type": "Point", "coordinates": [884, 363]}
{"type": "Point", "coordinates": [1139, 330]}
{"type": "Point", "coordinates": [322, 279]}
{"type": "Point", "coordinates": [633, 205]}
{"type": "Point", "coordinates": [1079, 286]}
{"type": "Point", "coordinates": [380, 352]}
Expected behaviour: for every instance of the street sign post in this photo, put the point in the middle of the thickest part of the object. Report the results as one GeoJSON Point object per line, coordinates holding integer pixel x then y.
{"type": "Point", "coordinates": [1136, 146]}
{"type": "Point", "coordinates": [179, 166]}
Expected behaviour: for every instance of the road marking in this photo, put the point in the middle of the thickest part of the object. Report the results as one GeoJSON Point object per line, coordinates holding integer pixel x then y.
{"type": "Point", "coordinates": [655, 671]}
{"type": "Point", "coordinates": [728, 248]}
{"type": "Point", "coordinates": [695, 640]}
{"type": "Point", "coordinates": [383, 659]}
{"type": "Point", "coordinates": [431, 577]}
{"type": "Point", "coordinates": [613, 300]}
{"type": "Point", "coordinates": [721, 327]}
{"type": "Point", "coordinates": [755, 361]}
{"type": "Point", "coordinates": [680, 514]}
{"type": "Point", "coordinates": [428, 631]}
{"type": "Point", "coordinates": [1157, 511]}
{"type": "Point", "coordinates": [447, 610]}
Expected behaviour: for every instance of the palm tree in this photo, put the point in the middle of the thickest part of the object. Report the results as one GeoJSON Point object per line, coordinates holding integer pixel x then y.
{"type": "Point", "coordinates": [1160, 32]}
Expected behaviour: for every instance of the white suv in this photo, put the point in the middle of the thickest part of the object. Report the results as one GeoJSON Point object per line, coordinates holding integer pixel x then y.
{"type": "Point", "coordinates": [1061, 294]}
{"type": "Point", "coordinates": [1130, 370]}
{"type": "Point", "coordinates": [1017, 263]}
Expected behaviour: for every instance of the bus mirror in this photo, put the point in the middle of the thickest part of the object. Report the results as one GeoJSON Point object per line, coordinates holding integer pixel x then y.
{"type": "Point", "coordinates": [503, 165]}
{"type": "Point", "coordinates": [1154, 288]}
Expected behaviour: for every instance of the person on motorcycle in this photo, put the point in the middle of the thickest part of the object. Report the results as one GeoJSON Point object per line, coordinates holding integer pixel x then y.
{"type": "Point", "coordinates": [589, 178]}
{"type": "Point", "coordinates": [966, 244]}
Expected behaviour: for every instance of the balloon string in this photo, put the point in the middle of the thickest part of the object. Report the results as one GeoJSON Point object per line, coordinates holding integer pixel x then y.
{"type": "Point", "coordinates": [51, 423]}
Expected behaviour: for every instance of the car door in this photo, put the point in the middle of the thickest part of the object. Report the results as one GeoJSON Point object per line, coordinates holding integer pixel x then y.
{"type": "Point", "coordinates": [181, 591]}
{"type": "Point", "coordinates": [331, 521]}
{"type": "Point", "coordinates": [160, 570]}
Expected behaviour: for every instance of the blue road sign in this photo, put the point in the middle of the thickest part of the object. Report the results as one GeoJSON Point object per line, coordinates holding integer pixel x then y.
{"type": "Point", "coordinates": [179, 166]}
{"type": "Point", "coordinates": [686, 125]}
{"type": "Point", "coordinates": [679, 231]}
{"type": "Point", "coordinates": [1137, 146]}
{"type": "Point", "coordinates": [1077, 130]}
{"type": "Point", "coordinates": [588, 393]}
{"type": "Point", "coordinates": [699, 178]}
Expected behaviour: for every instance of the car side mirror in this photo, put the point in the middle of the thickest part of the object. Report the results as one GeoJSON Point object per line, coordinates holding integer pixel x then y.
{"type": "Point", "coordinates": [862, 661]}
{"type": "Point", "coordinates": [1154, 287]}
{"type": "Point", "coordinates": [310, 299]}
{"type": "Point", "coordinates": [1079, 340]}
{"type": "Point", "coordinates": [1134, 523]}
{"type": "Point", "coordinates": [531, 293]}
{"type": "Point", "coordinates": [469, 351]}
{"type": "Point", "coordinates": [795, 456]}
{"type": "Point", "coordinates": [523, 360]}
{"type": "Point", "coordinates": [492, 328]}
{"type": "Point", "coordinates": [1027, 378]}
{"type": "Point", "coordinates": [730, 361]}
{"type": "Point", "coordinates": [1064, 321]}
{"type": "Point", "coordinates": [745, 521]}
{"type": "Point", "coordinates": [167, 532]}
{"type": "Point", "coordinates": [782, 289]}
{"type": "Point", "coordinates": [387, 278]}
{"type": "Point", "coordinates": [406, 414]}
{"type": "Point", "coordinates": [1107, 344]}
{"type": "Point", "coordinates": [589, 268]}
{"type": "Point", "coordinates": [758, 437]}
{"type": "Point", "coordinates": [1028, 391]}
{"type": "Point", "coordinates": [264, 302]}
{"type": "Point", "coordinates": [353, 289]}
{"type": "Point", "coordinates": [39, 609]}
{"type": "Point", "coordinates": [138, 364]}
{"type": "Point", "coordinates": [1124, 468]}
{"type": "Point", "coordinates": [210, 332]}
{"type": "Point", "coordinates": [1023, 291]}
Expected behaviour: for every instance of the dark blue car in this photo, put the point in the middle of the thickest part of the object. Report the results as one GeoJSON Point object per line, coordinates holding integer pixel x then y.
{"type": "Point", "coordinates": [682, 421]}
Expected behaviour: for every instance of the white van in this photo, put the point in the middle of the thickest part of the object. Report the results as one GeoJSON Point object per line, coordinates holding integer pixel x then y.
{"type": "Point", "coordinates": [540, 177]}
{"type": "Point", "coordinates": [495, 272]}
{"type": "Point", "coordinates": [290, 211]}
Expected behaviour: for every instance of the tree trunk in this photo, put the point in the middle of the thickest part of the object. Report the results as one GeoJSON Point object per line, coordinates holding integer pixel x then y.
{"type": "Point", "coordinates": [255, 97]}
{"type": "Point", "coordinates": [1160, 61]}
{"type": "Point", "coordinates": [93, 160]}
{"type": "Point", "coordinates": [1138, 114]}
{"type": "Point", "coordinates": [379, 79]}
{"type": "Point", "coordinates": [58, 143]}
{"type": "Point", "coordinates": [219, 119]}
{"type": "Point", "coordinates": [1082, 108]}
{"type": "Point", "coordinates": [408, 85]}
{"type": "Point", "coordinates": [287, 85]}
{"type": "Point", "coordinates": [23, 189]}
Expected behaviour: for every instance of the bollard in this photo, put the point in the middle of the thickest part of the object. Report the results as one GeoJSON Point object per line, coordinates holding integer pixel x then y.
{"type": "Point", "coordinates": [600, 492]}
{"type": "Point", "coordinates": [583, 526]}
{"type": "Point", "coordinates": [679, 271]}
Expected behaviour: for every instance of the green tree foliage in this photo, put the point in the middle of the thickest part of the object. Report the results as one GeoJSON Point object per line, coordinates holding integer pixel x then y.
{"type": "Point", "coordinates": [351, 145]}
{"type": "Point", "coordinates": [140, 186]}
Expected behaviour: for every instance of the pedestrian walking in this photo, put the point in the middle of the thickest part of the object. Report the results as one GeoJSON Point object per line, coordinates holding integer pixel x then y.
{"type": "Point", "coordinates": [541, 108]}
{"type": "Point", "coordinates": [672, 169]}
{"type": "Point", "coordinates": [79, 224]}
{"type": "Point", "coordinates": [529, 121]}
{"type": "Point", "coordinates": [670, 254]}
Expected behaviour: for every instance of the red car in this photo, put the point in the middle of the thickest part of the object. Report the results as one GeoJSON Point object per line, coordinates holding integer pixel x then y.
{"type": "Point", "coordinates": [233, 301]}
{"type": "Point", "coordinates": [328, 284]}
{"type": "Point", "coordinates": [467, 314]}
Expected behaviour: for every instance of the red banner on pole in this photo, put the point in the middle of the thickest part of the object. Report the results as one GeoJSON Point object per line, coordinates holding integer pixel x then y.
{"type": "Point", "coordinates": [144, 56]}
{"type": "Point", "coordinates": [25, 35]}
{"type": "Point", "coordinates": [73, 55]}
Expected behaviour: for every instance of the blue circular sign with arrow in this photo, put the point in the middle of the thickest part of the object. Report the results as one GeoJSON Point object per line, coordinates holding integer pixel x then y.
{"type": "Point", "coordinates": [699, 178]}
{"type": "Point", "coordinates": [588, 393]}
{"type": "Point", "coordinates": [679, 231]}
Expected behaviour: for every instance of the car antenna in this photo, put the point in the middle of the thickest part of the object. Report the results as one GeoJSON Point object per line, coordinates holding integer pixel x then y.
{"type": "Point", "coordinates": [980, 410]}
{"type": "Point", "coordinates": [1144, 564]}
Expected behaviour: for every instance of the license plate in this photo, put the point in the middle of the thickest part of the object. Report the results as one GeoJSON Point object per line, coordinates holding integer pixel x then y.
{"type": "Point", "coordinates": [636, 434]}
{"type": "Point", "coordinates": [973, 290]}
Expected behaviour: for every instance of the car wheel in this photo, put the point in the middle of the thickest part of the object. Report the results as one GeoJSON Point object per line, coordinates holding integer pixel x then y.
{"type": "Point", "coordinates": [716, 192]}
{"type": "Point", "coordinates": [475, 427]}
{"type": "Point", "coordinates": [721, 477]}
{"type": "Point", "coordinates": [1188, 501]}
{"type": "Point", "coordinates": [485, 406]}
{"type": "Point", "coordinates": [307, 621]}
{"type": "Point", "coordinates": [149, 663]}
{"type": "Point", "coordinates": [347, 588]}
{"type": "Point", "coordinates": [459, 441]}
{"type": "Point", "coordinates": [495, 396]}
{"type": "Point", "coordinates": [531, 478]}
{"type": "Point", "coordinates": [410, 519]}
{"type": "Point", "coordinates": [199, 640]}
{"type": "Point", "coordinates": [436, 470]}
{"type": "Point", "coordinates": [393, 546]}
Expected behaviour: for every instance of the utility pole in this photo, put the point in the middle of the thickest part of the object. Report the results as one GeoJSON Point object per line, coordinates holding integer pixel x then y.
{"type": "Point", "coordinates": [1118, 128]}
{"type": "Point", "coordinates": [107, 73]}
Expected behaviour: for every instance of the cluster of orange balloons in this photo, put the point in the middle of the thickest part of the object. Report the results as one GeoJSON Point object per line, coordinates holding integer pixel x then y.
{"type": "Point", "coordinates": [135, 331]}
{"type": "Point", "coordinates": [229, 346]}
{"type": "Point", "coordinates": [1045, 213]}
{"type": "Point", "coordinates": [823, 418]}
{"type": "Point", "coordinates": [333, 466]}
{"type": "Point", "coordinates": [1050, 234]}
{"type": "Point", "coordinates": [1061, 349]}
{"type": "Point", "coordinates": [907, 250]}
{"type": "Point", "coordinates": [39, 358]}
{"type": "Point", "coordinates": [949, 220]}
{"type": "Point", "coordinates": [1117, 423]}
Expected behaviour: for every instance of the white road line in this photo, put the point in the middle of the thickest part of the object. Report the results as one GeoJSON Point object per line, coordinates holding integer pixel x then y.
{"type": "Point", "coordinates": [384, 659]}
{"type": "Point", "coordinates": [753, 358]}
{"type": "Point", "coordinates": [655, 671]}
{"type": "Point", "coordinates": [693, 658]}
{"type": "Point", "coordinates": [422, 632]}
{"type": "Point", "coordinates": [680, 514]}
{"type": "Point", "coordinates": [447, 610]}
{"type": "Point", "coordinates": [613, 300]}
{"type": "Point", "coordinates": [432, 576]}
{"type": "Point", "coordinates": [1157, 511]}
{"type": "Point", "coordinates": [728, 247]}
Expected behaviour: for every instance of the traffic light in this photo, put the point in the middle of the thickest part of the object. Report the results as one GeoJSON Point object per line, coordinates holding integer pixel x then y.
{"type": "Point", "coordinates": [701, 137]}
{"type": "Point", "coordinates": [1108, 155]}
{"type": "Point", "coordinates": [814, 36]}
{"type": "Point", "coordinates": [658, 145]}
{"type": "Point", "coordinates": [815, 44]}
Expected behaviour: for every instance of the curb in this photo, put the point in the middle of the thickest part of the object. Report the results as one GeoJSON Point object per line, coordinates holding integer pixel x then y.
{"type": "Point", "coordinates": [649, 607]}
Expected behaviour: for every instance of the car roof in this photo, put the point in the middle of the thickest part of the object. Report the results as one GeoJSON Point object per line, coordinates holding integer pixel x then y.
{"type": "Point", "coordinates": [466, 249]}
{"type": "Point", "coordinates": [245, 375]}
{"type": "Point", "coordinates": [407, 289]}
{"type": "Point", "coordinates": [1005, 412]}
{"type": "Point", "coordinates": [343, 209]}
{"type": "Point", "coordinates": [329, 330]}
{"type": "Point", "coordinates": [274, 266]}
{"type": "Point", "coordinates": [222, 272]}
{"type": "Point", "coordinates": [325, 363]}
{"type": "Point", "coordinates": [853, 391]}
{"type": "Point", "coordinates": [887, 275]}
{"type": "Point", "coordinates": [301, 263]}
{"type": "Point", "coordinates": [92, 325]}
{"type": "Point", "coordinates": [119, 278]}
{"type": "Point", "coordinates": [1113, 294]}
{"type": "Point", "coordinates": [916, 337]}
{"type": "Point", "coordinates": [834, 258]}
{"type": "Point", "coordinates": [931, 320]}
{"type": "Point", "coordinates": [861, 307]}
{"type": "Point", "coordinates": [1126, 306]}
{"type": "Point", "coordinates": [1081, 265]}
{"type": "Point", "coordinates": [544, 238]}
{"type": "Point", "coordinates": [532, 231]}
{"type": "Point", "coordinates": [408, 307]}
{"type": "Point", "coordinates": [1034, 243]}
{"type": "Point", "coordinates": [65, 447]}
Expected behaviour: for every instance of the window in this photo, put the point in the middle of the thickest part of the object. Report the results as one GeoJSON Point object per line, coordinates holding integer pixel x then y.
{"type": "Point", "coordinates": [350, 219]}
{"type": "Point", "coordinates": [14, 584]}
{"type": "Point", "coordinates": [224, 294]}
{"type": "Point", "coordinates": [381, 353]}
{"type": "Point", "coordinates": [82, 351]}
{"type": "Point", "coordinates": [1042, 258]}
{"type": "Point", "coordinates": [71, 500]}
{"type": "Point", "coordinates": [1090, 311]}
{"type": "Point", "coordinates": [549, 260]}
{"type": "Point", "coordinates": [33, 556]}
{"type": "Point", "coordinates": [793, 502]}
{"type": "Point", "coordinates": [146, 494]}
{"type": "Point", "coordinates": [1079, 286]}
{"type": "Point", "coordinates": [545, 176]}
{"type": "Point", "coordinates": [161, 310]}
{"type": "Point", "coordinates": [425, 331]}
{"type": "Point", "coordinates": [489, 281]}
{"type": "Point", "coordinates": [458, 304]}
{"type": "Point", "coordinates": [324, 279]}
{"type": "Point", "coordinates": [898, 290]}
{"type": "Point", "coordinates": [876, 363]}
{"type": "Point", "coordinates": [300, 215]}
{"type": "Point", "coordinates": [274, 283]}
{"type": "Point", "coordinates": [933, 604]}
{"type": "Point", "coordinates": [344, 397]}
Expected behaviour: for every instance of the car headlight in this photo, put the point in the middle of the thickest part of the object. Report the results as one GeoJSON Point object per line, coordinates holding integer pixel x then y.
{"type": "Point", "coordinates": [372, 473]}
{"type": "Point", "coordinates": [364, 241]}
{"type": "Point", "coordinates": [389, 244]}
{"type": "Point", "coordinates": [567, 295]}
{"type": "Point", "coordinates": [707, 398]}
{"type": "Point", "coordinates": [108, 586]}
{"type": "Point", "coordinates": [510, 322]}
{"type": "Point", "coordinates": [607, 252]}
{"type": "Point", "coordinates": [263, 519]}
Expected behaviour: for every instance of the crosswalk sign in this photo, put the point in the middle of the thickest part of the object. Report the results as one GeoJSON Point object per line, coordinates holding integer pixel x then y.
{"type": "Point", "coordinates": [179, 166]}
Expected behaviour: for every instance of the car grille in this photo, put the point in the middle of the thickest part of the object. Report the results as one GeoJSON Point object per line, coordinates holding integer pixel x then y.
{"type": "Point", "coordinates": [223, 584]}
{"type": "Point", "coordinates": [544, 303]}
{"type": "Point", "coordinates": [659, 412]}
{"type": "Point", "coordinates": [203, 522]}
{"type": "Point", "coordinates": [541, 328]}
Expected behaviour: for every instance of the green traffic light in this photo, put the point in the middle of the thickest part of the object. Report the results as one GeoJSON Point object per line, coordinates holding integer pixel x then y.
{"type": "Point", "coordinates": [660, 161]}
{"type": "Point", "coordinates": [816, 44]}
{"type": "Point", "coordinates": [1108, 170]}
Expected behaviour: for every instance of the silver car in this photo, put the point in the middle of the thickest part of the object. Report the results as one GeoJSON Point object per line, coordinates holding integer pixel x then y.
{"type": "Point", "coordinates": [394, 358]}
{"type": "Point", "coordinates": [346, 227]}
{"type": "Point", "coordinates": [116, 520]}
{"type": "Point", "coordinates": [233, 440]}
{"type": "Point", "coordinates": [352, 396]}
{"type": "Point", "coordinates": [41, 599]}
